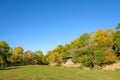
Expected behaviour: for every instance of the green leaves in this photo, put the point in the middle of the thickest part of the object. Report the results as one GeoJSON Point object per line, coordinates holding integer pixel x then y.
{"type": "Point", "coordinates": [118, 27]}
{"type": "Point", "coordinates": [4, 53]}
{"type": "Point", "coordinates": [116, 45]}
{"type": "Point", "coordinates": [38, 57]}
{"type": "Point", "coordinates": [4, 47]}
{"type": "Point", "coordinates": [95, 49]}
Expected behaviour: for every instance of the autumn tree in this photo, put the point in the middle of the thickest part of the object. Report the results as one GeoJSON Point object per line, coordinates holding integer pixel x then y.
{"type": "Point", "coordinates": [54, 58]}
{"type": "Point", "coordinates": [38, 57]}
{"type": "Point", "coordinates": [27, 57]}
{"type": "Point", "coordinates": [103, 38]}
{"type": "Point", "coordinates": [101, 41]}
{"type": "Point", "coordinates": [17, 55]}
{"type": "Point", "coordinates": [110, 56]}
{"type": "Point", "coordinates": [93, 48]}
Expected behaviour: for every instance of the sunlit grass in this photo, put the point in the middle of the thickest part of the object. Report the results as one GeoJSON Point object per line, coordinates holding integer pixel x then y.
{"type": "Point", "coordinates": [38, 72]}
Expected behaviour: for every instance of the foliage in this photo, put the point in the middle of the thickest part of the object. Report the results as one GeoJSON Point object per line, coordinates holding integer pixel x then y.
{"type": "Point", "coordinates": [110, 56]}
{"type": "Point", "coordinates": [38, 57]}
{"type": "Point", "coordinates": [27, 58]}
{"type": "Point", "coordinates": [54, 58]}
{"type": "Point", "coordinates": [103, 38]}
{"type": "Point", "coordinates": [94, 49]}
{"type": "Point", "coordinates": [116, 45]}
{"type": "Point", "coordinates": [118, 27]}
{"type": "Point", "coordinates": [86, 61]}
{"type": "Point", "coordinates": [16, 55]}
{"type": "Point", "coordinates": [98, 58]}
{"type": "Point", "coordinates": [4, 53]}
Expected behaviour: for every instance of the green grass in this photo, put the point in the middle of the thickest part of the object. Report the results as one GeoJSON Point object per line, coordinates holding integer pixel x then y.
{"type": "Point", "coordinates": [38, 72]}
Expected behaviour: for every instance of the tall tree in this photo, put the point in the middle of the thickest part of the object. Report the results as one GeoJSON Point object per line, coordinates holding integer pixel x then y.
{"type": "Point", "coordinates": [17, 55]}
{"type": "Point", "coordinates": [38, 57]}
{"type": "Point", "coordinates": [4, 53]}
{"type": "Point", "coordinates": [118, 27]}
{"type": "Point", "coordinates": [116, 45]}
{"type": "Point", "coordinates": [27, 57]}
{"type": "Point", "coordinates": [54, 58]}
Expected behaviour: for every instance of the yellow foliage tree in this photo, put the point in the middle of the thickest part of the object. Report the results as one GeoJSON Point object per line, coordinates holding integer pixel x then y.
{"type": "Point", "coordinates": [27, 57]}
{"type": "Point", "coordinates": [103, 37]}
{"type": "Point", "coordinates": [16, 55]}
{"type": "Point", "coordinates": [110, 57]}
{"type": "Point", "coordinates": [38, 57]}
{"type": "Point", "coordinates": [54, 58]}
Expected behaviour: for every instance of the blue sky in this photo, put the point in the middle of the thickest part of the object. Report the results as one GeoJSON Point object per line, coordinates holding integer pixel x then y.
{"type": "Point", "coordinates": [44, 24]}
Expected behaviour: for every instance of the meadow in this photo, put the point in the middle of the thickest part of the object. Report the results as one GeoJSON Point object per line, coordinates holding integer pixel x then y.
{"type": "Point", "coordinates": [40, 72]}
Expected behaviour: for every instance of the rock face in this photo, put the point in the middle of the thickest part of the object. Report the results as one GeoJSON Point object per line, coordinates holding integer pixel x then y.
{"type": "Point", "coordinates": [69, 63]}
{"type": "Point", "coordinates": [112, 67]}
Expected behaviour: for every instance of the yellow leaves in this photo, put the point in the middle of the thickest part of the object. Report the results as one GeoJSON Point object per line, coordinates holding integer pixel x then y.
{"type": "Point", "coordinates": [27, 57]}
{"type": "Point", "coordinates": [109, 56]}
{"type": "Point", "coordinates": [4, 44]}
{"type": "Point", "coordinates": [18, 50]}
{"type": "Point", "coordinates": [28, 54]}
{"type": "Point", "coordinates": [103, 37]}
{"type": "Point", "coordinates": [4, 47]}
{"type": "Point", "coordinates": [39, 53]}
{"type": "Point", "coordinates": [99, 36]}
{"type": "Point", "coordinates": [54, 57]}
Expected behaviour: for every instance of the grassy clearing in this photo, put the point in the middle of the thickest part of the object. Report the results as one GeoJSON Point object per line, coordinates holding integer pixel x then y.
{"type": "Point", "coordinates": [38, 72]}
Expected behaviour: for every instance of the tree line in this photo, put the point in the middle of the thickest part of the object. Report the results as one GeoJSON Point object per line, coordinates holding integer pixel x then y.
{"type": "Point", "coordinates": [90, 49]}
{"type": "Point", "coordinates": [17, 56]}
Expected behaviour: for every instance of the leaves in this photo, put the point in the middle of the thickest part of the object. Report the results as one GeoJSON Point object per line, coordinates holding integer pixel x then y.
{"type": "Point", "coordinates": [103, 37]}
{"type": "Point", "coordinates": [27, 57]}
{"type": "Point", "coordinates": [116, 44]}
{"type": "Point", "coordinates": [94, 49]}
{"type": "Point", "coordinates": [18, 51]}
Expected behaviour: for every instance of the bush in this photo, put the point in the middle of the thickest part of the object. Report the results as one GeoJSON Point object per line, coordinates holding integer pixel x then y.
{"type": "Point", "coordinates": [98, 57]}
{"type": "Point", "coordinates": [110, 56]}
{"type": "Point", "coordinates": [86, 61]}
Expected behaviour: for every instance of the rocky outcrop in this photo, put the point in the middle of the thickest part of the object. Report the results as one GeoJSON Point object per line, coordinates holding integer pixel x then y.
{"type": "Point", "coordinates": [69, 63]}
{"type": "Point", "coordinates": [114, 66]}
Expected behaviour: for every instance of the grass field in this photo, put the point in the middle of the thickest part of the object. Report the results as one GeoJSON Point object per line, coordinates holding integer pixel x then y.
{"type": "Point", "coordinates": [38, 72]}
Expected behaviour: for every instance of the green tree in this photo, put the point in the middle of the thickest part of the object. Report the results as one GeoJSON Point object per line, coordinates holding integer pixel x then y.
{"type": "Point", "coordinates": [84, 40]}
{"type": "Point", "coordinates": [94, 52]}
{"type": "Point", "coordinates": [38, 57]}
{"type": "Point", "coordinates": [98, 57]}
{"type": "Point", "coordinates": [116, 45]}
{"type": "Point", "coordinates": [4, 53]}
{"type": "Point", "coordinates": [118, 27]}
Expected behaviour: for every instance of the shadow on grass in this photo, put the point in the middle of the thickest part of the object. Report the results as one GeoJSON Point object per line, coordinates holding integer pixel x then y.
{"type": "Point", "coordinates": [9, 68]}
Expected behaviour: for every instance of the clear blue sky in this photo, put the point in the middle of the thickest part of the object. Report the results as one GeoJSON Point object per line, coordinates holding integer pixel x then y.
{"type": "Point", "coordinates": [44, 24]}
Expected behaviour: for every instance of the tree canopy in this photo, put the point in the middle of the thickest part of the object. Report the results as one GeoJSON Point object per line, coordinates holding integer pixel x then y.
{"type": "Point", "coordinates": [90, 49]}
